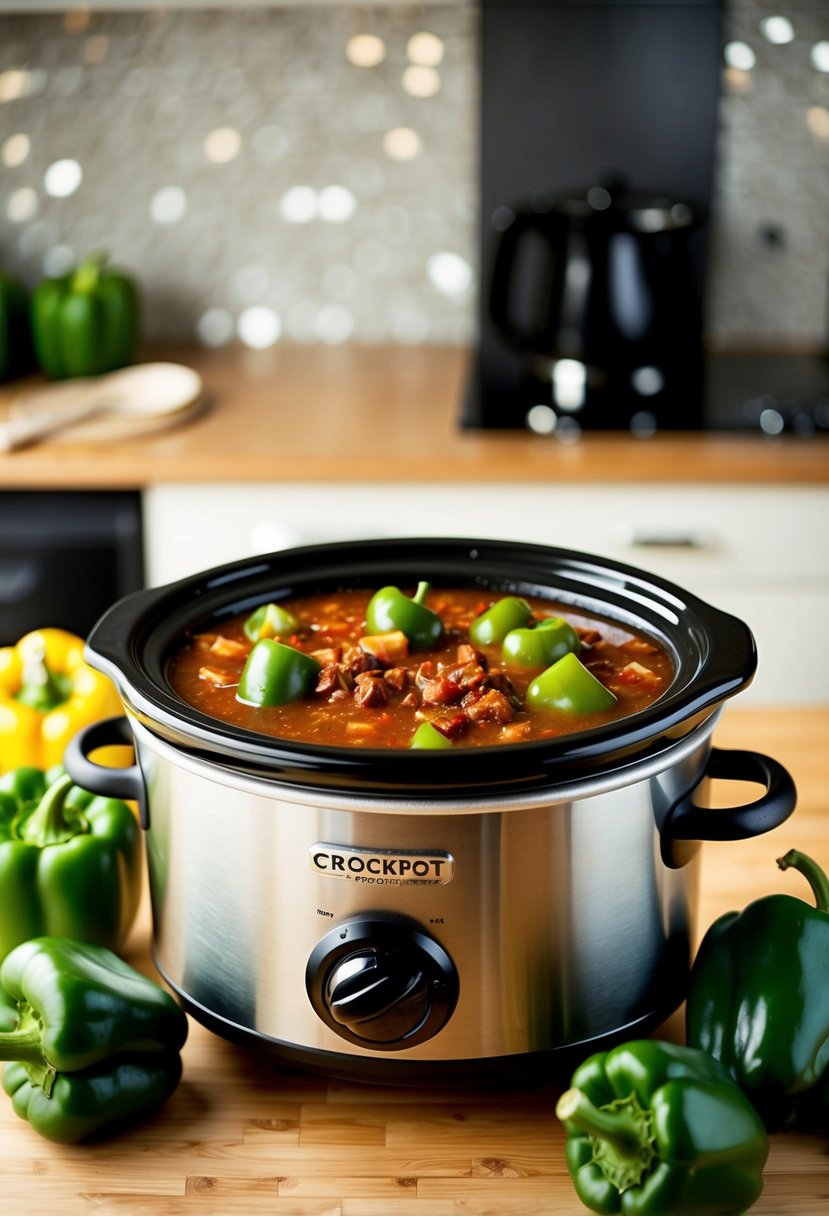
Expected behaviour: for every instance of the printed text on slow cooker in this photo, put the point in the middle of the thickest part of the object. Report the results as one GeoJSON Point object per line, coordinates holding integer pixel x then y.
{"type": "Point", "coordinates": [382, 867]}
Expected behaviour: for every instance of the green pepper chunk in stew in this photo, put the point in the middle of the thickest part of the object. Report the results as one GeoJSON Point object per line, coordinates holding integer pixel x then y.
{"type": "Point", "coordinates": [570, 687]}
{"type": "Point", "coordinates": [275, 674]}
{"type": "Point", "coordinates": [429, 737]}
{"type": "Point", "coordinates": [550, 640]}
{"type": "Point", "coordinates": [495, 622]}
{"type": "Point", "coordinates": [428, 670]}
{"type": "Point", "coordinates": [389, 610]}
{"type": "Point", "coordinates": [270, 621]}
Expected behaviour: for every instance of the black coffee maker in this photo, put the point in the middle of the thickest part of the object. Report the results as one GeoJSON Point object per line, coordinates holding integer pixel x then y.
{"type": "Point", "coordinates": [596, 295]}
{"type": "Point", "coordinates": [598, 132]}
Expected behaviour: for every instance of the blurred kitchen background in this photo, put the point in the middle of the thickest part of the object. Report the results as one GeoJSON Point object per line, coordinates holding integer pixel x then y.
{"type": "Point", "coordinates": [277, 175]}
{"type": "Point", "coordinates": [310, 172]}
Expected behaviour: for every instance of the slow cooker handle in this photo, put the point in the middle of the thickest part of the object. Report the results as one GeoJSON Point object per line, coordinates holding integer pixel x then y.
{"type": "Point", "coordinates": [127, 783]}
{"type": "Point", "coordinates": [686, 820]}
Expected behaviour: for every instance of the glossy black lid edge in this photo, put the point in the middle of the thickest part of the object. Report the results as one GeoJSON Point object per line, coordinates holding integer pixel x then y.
{"type": "Point", "coordinates": [714, 653]}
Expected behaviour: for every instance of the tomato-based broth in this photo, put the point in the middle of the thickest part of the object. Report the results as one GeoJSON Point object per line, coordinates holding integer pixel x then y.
{"type": "Point", "coordinates": [375, 689]}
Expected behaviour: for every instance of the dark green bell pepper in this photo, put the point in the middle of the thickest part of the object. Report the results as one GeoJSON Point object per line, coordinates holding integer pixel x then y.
{"type": "Point", "coordinates": [570, 687]}
{"type": "Point", "coordinates": [655, 1129]}
{"type": "Point", "coordinates": [389, 610]}
{"type": "Point", "coordinates": [86, 322]}
{"type": "Point", "coordinates": [16, 354]}
{"type": "Point", "coordinates": [759, 1001]}
{"type": "Point", "coordinates": [70, 861]}
{"type": "Point", "coordinates": [96, 1044]}
{"type": "Point", "coordinates": [270, 621]}
{"type": "Point", "coordinates": [493, 625]}
{"type": "Point", "coordinates": [549, 641]}
{"type": "Point", "coordinates": [275, 674]}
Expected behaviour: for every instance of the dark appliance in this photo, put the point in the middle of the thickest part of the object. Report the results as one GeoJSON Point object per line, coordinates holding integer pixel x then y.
{"type": "Point", "coordinates": [598, 130]}
{"type": "Point", "coordinates": [595, 293]}
{"type": "Point", "coordinates": [65, 555]}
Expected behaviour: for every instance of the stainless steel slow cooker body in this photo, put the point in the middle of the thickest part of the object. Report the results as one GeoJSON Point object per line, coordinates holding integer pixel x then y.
{"type": "Point", "coordinates": [387, 913]}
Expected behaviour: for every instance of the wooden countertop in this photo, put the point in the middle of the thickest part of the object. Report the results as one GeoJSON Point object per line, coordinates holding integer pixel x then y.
{"type": "Point", "coordinates": [354, 414]}
{"type": "Point", "coordinates": [243, 1136]}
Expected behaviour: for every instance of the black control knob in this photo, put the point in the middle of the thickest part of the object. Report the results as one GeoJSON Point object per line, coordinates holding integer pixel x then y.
{"type": "Point", "coordinates": [382, 982]}
{"type": "Point", "coordinates": [378, 994]}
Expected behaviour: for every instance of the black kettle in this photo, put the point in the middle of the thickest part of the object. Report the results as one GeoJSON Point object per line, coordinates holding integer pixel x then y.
{"type": "Point", "coordinates": [596, 292]}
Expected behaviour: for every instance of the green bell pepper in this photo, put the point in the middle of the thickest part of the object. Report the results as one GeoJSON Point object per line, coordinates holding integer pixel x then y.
{"type": "Point", "coordinates": [569, 686]}
{"type": "Point", "coordinates": [86, 322]}
{"type": "Point", "coordinates": [70, 861]}
{"type": "Point", "coordinates": [428, 736]}
{"type": "Point", "coordinates": [655, 1129]}
{"type": "Point", "coordinates": [493, 625]}
{"type": "Point", "coordinates": [389, 610]}
{"type": "Point", "coordinates": [270, 621]}
{"type": "Point", "coordinates": [551, 639]}
{"type": "Point", "coordinates": [275, 674]}
{"type": "Point", "coordinates": [16, 354]}
{"type": "Point", "coordinates": [96, 1044]}
{"type": "Point", "coordinates": [759, 1001]}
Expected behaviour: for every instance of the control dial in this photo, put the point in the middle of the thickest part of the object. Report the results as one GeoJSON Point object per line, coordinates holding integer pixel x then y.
{"type": "Point", "coordinates": [381, 982]}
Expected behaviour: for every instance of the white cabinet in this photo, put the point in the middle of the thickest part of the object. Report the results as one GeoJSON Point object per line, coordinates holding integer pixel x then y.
{"type": "Point", "coordinates": [759, 552]}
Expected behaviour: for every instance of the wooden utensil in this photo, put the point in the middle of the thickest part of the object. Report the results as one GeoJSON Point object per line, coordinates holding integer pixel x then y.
{"type": "Point", "coordinates": [145, 390]}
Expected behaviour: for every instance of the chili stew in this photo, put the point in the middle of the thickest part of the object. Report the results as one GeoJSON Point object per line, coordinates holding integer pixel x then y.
{"type": "Point", "coordinates": [434, 668]}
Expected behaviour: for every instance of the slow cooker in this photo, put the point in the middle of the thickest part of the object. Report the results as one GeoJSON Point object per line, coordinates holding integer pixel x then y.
{"type": "Point", "coordinates": [397, 914]}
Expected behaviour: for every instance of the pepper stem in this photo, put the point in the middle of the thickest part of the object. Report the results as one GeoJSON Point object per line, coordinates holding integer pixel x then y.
{"type": "Point", "coordinates": [812, 872]}
{"type": "Point", "coordinates": [41, 688]}
{"type": "Point", "coordinates": [620, 1133]}
{"type": "Point", "coordinates": [420, 595]}
{"type": "Point", "coordinates": [25, 1045]}
{"type": "Point", "coordinates": [21, 1045]}
{"type": "Point", "coordinates": [87, 272]}
{"type": "Point", "coordinates": [48, 823]}
{"type": "Point", "coordinates": [616, 1127]}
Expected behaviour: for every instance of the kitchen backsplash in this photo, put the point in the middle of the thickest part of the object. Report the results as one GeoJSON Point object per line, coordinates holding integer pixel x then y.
{"type": "Point", "coordinates": [310, 173]}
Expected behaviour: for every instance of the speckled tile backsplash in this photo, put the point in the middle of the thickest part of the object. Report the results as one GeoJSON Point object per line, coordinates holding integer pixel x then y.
{"type": "Point", "coordinates": [310, 173]}
{"type": "Point", "coordinates": [769, 280]}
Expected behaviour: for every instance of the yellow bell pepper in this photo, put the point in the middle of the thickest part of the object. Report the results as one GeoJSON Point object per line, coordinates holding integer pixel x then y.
{"type": "Point", "coordinates": [47, 693]}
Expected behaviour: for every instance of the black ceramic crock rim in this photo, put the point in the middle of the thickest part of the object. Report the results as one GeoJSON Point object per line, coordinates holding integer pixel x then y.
{"type": "Point", "coordinates": [714, 654]}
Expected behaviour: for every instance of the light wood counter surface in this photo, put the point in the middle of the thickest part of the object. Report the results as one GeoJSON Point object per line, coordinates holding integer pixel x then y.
{"type": "Point", "coordinates": [243, 1136]}
{"type": "Point", "coordinates": [355, 414]}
